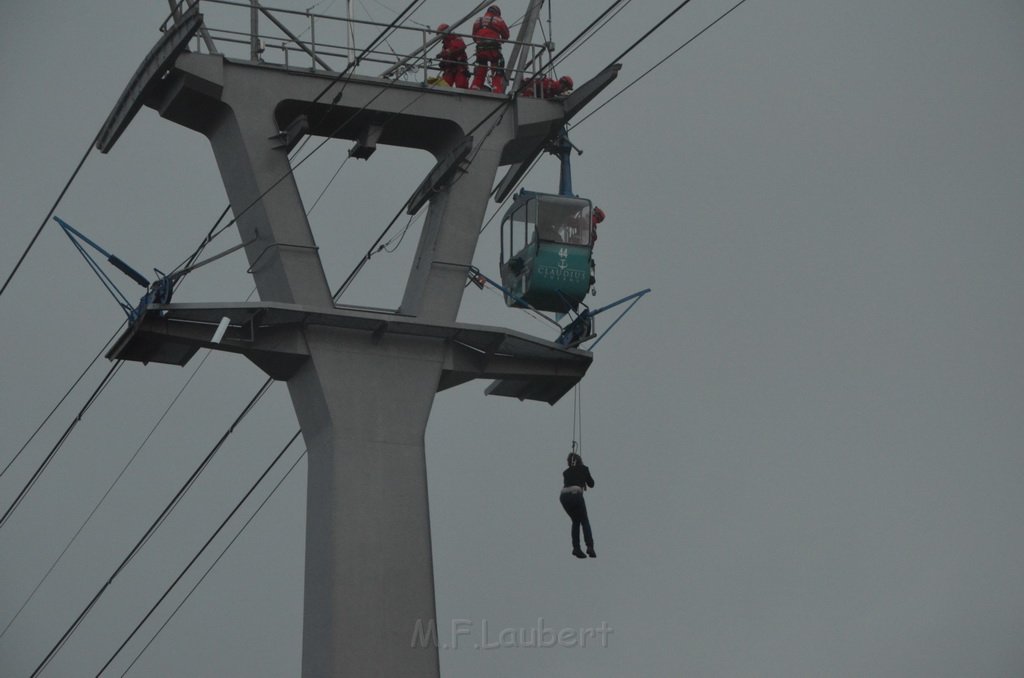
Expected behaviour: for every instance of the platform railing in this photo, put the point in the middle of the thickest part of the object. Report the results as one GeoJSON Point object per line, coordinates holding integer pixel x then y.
{"type": "Point", "coordinates": [247, 30]}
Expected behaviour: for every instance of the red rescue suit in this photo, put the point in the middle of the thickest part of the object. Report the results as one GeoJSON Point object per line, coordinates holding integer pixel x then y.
{"type": "Point", "coordinates": [488, 33]}
{"type": "Point", "coordinates": [596, 217]}
{"type": "Point", "coordinates": [545, 88]}
{"type": "Point", "coordinates": [454, 63]}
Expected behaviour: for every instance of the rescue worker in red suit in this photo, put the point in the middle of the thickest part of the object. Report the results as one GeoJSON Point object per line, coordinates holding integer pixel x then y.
{"type": "Point", "coordinates": [596, 217]}
{"type": "Point", "coordinates": [454, 63]}
{"type": "Point", "coordinates": [488, 33]}
{"type": "Point", "coordinates": [547, 88]}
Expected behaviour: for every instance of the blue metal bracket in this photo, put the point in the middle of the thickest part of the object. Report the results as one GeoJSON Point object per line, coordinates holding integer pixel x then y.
{"type": "Point", "coordinates": [636, 296]}
{"type": "Point", "coordinates": [158, 292]}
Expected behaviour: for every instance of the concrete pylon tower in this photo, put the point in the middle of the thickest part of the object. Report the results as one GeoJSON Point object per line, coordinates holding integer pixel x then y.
{"type": "Point", "coordinates": [362, 381]}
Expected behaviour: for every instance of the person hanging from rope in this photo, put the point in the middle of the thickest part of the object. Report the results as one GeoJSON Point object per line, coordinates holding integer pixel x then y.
{"type": "Point", "coordinates": [575, 479]}
{"type": "Point", "coordinates": [452, 58]}
{"type": "Point", "coordinates": [489, 31]}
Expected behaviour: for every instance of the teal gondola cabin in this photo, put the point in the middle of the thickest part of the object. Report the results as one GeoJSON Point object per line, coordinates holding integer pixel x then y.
{"type": "Point", "coordinates": [546, 249]}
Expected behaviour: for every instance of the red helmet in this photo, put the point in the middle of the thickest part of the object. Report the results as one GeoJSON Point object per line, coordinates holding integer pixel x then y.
{"type": "Point", "coordinates": [441, 28]}
{"type": "Point", "coordinates": [598, 215]}
{"type": "Point", "coordinates": [566, 82]}
{"type": "Point", "coordinates": [493, 9]}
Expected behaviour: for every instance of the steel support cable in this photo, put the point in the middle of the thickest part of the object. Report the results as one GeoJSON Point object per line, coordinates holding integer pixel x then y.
{"type": "Point", "coordinates": [291, 169]}
{"type": "Point", "coordinates": [328, 184]}
{"type": "Point", "coordinates": [569, 49]}
{"type": "Point", "coordinates": [507, 102]}
{"type": "Point", "coordinates": [209, 541]}
{"type": "Point", "coordinates": [213, 233]}
{"type": "Point", "coordinates": [104, 497]}
{"type": "Point", "coordinates": [659, 63]}
{"type": "Point", "coordinates": [390, 47]}
{"type": "Point", "coordinates": [210, 235]}
{"type": "Point", "coordinates": [577, 418]}
{"type": "Point", "coordinates": [374, 249]}
{"type": "Point", "coordinates": [216, 230]}
{"type": "Point", "coordinates": [653, 28]}
{"type": "Point", "coordinates": [579, 36]}
{"type": "Point", "coordinates": [49, 214]}
{"type": "Point", "coordinates": [387, 228]}
{"type": "Point", "coordinates": [206, 240]}
{"type": "Point", "coordinates": [369, 253]}
{"type": "Point", "coordinates": [566, 53]}
{"type": "Point", "coordinates": [138, 450]}
{"type": "Point", "coordinates": [187, 262]}
{"type": "Point", "coordinates": [60, 643]}
{"type": "Point", "coordinates": [373, 43]}
{"type": "Point", "coordinates": [259, 394]}
{"type": "Point", "coordinates": [53, 451]}
{"type": "Point", "coordinates": [60, 402]}
{"type": "Point", "coordinates": [92, 144]}
{"type": "Point", "coordinates": [252, 402]}
{"type": "Point", "coordinates": [223, 524]}
{"type": "Point", "coordinates": [497, 210]}
{"type": "Point", "coordinates": [530, 312]}
{"type": "Point", "coordinates": [392, 245]}
{"type": "Point", "coordinates": [152, 528]}
{"type": "Point", "coordinates": [547, 41]}
{"type": "Point", "coordinates": [106, 381]}
{"type": "Point", "coordinates": [214, 563]}
{"type": "Point", "coordinates": [499, 108]}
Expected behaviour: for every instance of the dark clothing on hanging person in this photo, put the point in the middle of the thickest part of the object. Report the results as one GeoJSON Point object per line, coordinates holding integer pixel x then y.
{"type": "Point", "coordinates": [574, 479]}
{"type": "Point", "coordinates": [578, 475]}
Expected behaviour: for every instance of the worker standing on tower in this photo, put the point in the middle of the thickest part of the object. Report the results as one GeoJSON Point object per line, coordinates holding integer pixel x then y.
{"type": "Point", "coordinates": [452, 57]}
{"type": "Point", "coordinates": [489, 31]}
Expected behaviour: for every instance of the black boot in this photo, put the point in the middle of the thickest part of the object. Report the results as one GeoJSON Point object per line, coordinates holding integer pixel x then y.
{"type": "Point", "coordinates": [590, 552]}
{"type": "Point", "coordinates": [576, 552]}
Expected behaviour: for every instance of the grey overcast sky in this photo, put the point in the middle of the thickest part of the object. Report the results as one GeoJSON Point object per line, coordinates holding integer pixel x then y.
{"type": "Point", "coordinates": [806, 441]}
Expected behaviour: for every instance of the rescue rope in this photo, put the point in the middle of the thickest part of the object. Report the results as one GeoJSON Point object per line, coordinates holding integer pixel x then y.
{"type": "Point", "coordinates": [577, 420]}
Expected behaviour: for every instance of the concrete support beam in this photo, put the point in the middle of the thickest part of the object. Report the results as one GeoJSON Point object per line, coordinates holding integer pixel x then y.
{"type": "Point", "coordinates": [363, 408]}
{"type": "Point", "coordinates": [273, 336]}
